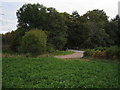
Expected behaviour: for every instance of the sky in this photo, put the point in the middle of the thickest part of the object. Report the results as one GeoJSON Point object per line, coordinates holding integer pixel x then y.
{"type": "Point", "coordinates": [8, 8]}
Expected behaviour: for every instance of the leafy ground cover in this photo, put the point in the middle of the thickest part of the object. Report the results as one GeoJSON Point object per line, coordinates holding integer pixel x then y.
{"type": "Point", "coordinates": [61, 53]}
{"type": "Point", "coordinates": [49, 72]}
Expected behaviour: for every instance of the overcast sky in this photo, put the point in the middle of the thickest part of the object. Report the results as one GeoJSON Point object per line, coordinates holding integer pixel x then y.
{"type": "Point", "coordinates": [8, 8]}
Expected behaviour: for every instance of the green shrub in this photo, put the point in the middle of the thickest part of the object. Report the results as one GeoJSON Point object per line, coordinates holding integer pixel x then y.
{"type": "Point", "coordinates": [99, 54]}
{"type": "Point", "coordinates": [34, 42]}
{"type": "Point", "coordinates": [89, 52]}
{"type": "Point", "coordinates": [101, 48]}
{"type": "Point", "coordinates": [113, 52]}
{"type": "Point", "coordinates": [50, 48]}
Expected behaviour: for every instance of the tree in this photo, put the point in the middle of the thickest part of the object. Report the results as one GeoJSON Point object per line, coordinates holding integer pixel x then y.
{"type": "Point", "coordinates": [95, 37]}
{"type": "Point", "coordinates": [7, 40]}
{"type": "Point", "coordinates": [119, 31]}
{"type": "Point", "coordinates": [40, 17]}
{"type": "Point", "coordinates": [112, 28]}
{"type": "Point", "coordinates": [17, 38]}
{"type": "Point", "coordinates": [74, 31]}
{"type": "Point", "coordinates": [97, 16]}
{"type": "Point", "coordinates": [34, 42]}
{"type": "Point", "coordinates": [95, 27]}
{"type": "Point", "coordinates": [87, 31]}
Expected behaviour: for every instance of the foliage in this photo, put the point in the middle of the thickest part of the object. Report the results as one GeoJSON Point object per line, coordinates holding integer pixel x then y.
{"type": "Point", "coordinates": [95, 21]}
{"type": "Point", "coordinates": [50, 48]}
{"type": "Point", "coordinates": [38, 16]}
{"type": "Point", "coordinates": [89, 52]}
{"type": "Point", "coordinates": [61, 52]}
{"type": "Point", "coordinates": [113, 31]}
{"type": "Point", "coordinates": [34, 42]}
{"type": "Point", "coordinates": [74, 31]}
{"type": "Point", "coordinates": [7, 37]}
{"type": "Point", "coordinates": [12, 55]}
{"type": "Point", "coordinates": [101, 48]}
{"type": "Point", "coordinates": [7, 40]}
{"type": "Point", "coordinates": [49, 72]}
{"type": "Point", "coordinates": [19, 33]}
{"type": "Point", "coordinates": [99, 54]}
{"type": "Point", "coordinates": [87, 31]}
{"type": "Point", "coordinates": [112, 52]}
{"type": "Point", "coordinates": [91, 30]}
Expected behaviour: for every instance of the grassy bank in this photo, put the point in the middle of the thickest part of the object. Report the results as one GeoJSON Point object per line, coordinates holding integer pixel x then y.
{"type": "Point", "coordinates": [49, 72]}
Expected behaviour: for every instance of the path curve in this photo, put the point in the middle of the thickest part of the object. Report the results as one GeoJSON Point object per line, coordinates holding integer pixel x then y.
{"type": "Point", "coordinates": [76, 54]}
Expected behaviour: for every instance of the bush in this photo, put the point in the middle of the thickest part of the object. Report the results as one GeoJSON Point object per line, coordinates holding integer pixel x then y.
{"type": "Point", "coordinates": [89, 52]}
{"type": "Point", "coordinates": [113, 52]}
{"type": "Point", "coordinates": [33, 42]}
{"type": "Point", "coordinates": [101, 48]}
{"type": "Point", "coordinates": [50, 48]}
{"type": "Point", "coordinates": [99, 54]}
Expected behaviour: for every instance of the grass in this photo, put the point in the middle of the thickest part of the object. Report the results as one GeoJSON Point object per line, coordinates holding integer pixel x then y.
{"type": "Point", "coordinates": [61, 53]}
{"type": "Point", "coordinates": [49, 72]}
{"type": "Point", "coordinates": [55, 53]}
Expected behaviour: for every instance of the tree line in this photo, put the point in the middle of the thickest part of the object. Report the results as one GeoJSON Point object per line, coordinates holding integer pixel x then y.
{"type": "Point", "coordinates": [64, 30]}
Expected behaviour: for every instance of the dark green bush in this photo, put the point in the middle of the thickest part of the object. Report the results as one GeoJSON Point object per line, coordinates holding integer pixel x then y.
{"type": "Point", "coordinates": [99, 54]}
{"type": "Point", "coordinates": [89, 52]}
{"type": "Point", "coordinates": [33, 42]}
{"type": "Point", "coordinates": [50, 48]}
{"type": "Point", "coordinates": [113, 52]}
{"type": "Point", "coordinates": [100, 48]}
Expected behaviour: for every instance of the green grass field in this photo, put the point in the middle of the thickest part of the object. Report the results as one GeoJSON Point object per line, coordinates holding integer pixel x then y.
{"type": "Point", "coordinates": [49, 72]}
{"type": "Point", "coordinates": [61, 53]}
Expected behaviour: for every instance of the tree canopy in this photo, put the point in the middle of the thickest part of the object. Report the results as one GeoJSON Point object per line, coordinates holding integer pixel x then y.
{"type": "Point", "coordinates": [38, 16]}
{"type": "Point", "coordinates": [64, 30]}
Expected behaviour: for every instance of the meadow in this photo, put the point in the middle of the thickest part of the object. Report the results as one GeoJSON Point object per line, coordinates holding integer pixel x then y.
{"type": "Point", "coordinates": [50, 72]}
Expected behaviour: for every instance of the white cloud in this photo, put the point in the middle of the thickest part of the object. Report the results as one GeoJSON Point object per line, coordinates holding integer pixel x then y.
{"type": "Point", "coordinates": [7, 28]}
{"type": "Point", "coordinates": [7, 21]}
{"type": "Point", "coordinates": [119, 8]}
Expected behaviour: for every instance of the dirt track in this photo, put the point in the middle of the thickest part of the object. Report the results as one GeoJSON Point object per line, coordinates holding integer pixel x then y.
{"type": "Point", "coordinates": [76, 54]}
